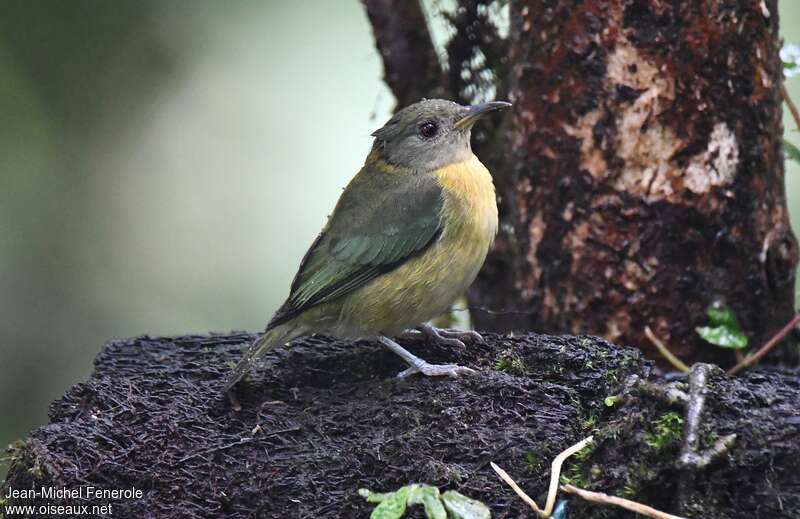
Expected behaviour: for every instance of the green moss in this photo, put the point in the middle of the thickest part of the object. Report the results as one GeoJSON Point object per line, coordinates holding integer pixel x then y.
{"type": "Point", "coordinates": [667, 429]}
{"type": "Point", "coordinates": [511, 363]}
{"type": "Point", "coordinates": [611, 376]}
{"type": "Point", "coordinates": [636, 478]}
{"type": "Point", "coordinates": [574, 473]}
{"type": "Point", "coordinates": [629, 491]}
{"type": "Point", "coordinates": [531, 463]}
{"type": "Point", "coordinates": [711, 438]}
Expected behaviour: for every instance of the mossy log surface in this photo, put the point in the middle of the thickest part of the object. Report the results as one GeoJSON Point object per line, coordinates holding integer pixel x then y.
{"type": "Point", "coordinates": [322, 418]}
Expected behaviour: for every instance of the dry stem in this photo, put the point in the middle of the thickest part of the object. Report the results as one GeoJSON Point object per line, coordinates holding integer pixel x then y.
{"type": "Point", "coordinates": [662, 349]}
{"type": "Point", "coordinates": [521, 493]}
{"type": "Point", "coordinates": [555, 474]}
{"type": "Point", "coordinates": [754, 358]}
{"type": "Point", "coordinates": [605, 499]}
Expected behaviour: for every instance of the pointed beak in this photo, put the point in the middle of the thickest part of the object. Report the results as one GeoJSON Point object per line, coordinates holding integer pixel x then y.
{"type": "Point", "coordinates": [475, 112]}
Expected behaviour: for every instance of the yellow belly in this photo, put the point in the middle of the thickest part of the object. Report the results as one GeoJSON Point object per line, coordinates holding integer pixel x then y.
{"type": "Point", "coordinates": [428, 284]}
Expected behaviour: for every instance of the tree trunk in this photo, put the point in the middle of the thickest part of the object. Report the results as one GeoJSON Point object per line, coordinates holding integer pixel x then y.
{"type": "Point", "coordinates": [640, 171]}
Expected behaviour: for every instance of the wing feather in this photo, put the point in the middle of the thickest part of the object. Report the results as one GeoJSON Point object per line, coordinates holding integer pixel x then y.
{"type": "Point", "coordinates": [382, 219]}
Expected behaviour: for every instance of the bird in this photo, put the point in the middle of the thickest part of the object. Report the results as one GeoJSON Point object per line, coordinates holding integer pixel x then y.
{"type": "Point", "coordinates": [406, 238]}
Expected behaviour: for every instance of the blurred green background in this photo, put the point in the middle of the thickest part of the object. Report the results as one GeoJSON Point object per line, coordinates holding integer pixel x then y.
{"type": "Point", "coordinates": [164, 165]}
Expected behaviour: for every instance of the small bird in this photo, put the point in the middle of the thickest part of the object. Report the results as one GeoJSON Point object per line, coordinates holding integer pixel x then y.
{"type": "Point", "coordinates": [407, 237]}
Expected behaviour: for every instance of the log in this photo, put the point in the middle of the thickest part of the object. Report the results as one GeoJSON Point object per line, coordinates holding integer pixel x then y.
{"type": "Point", "coordinates": [323, 418]}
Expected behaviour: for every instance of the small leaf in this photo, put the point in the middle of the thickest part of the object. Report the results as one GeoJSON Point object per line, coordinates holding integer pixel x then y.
{"type": "Point", "coordinates": [375, 497]}
{"type": "Point", "coordinates": [724, 330]}
{"type": "Point", "coordinates": [428, 497]}
{"type": "Point", "coordinates": [611, 401]}
{"type": "Point", "coordinates": [462, 507]}
{"type": "Point", "coordinates": [721, 316]}
{"type": "Point", "coordinates": [723, 336]}
{"type": "Point", "coordinates": [792, 152]}
{"type": "Point", "coordinates": [393, 506]}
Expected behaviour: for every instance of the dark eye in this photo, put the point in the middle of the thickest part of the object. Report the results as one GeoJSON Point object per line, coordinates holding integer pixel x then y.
{"type": "Point", "coordinates": [428, 129]}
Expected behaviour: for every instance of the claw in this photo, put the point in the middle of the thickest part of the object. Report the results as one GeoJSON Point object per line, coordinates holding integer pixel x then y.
{"type": "Point", "coordinates": [450, 337]}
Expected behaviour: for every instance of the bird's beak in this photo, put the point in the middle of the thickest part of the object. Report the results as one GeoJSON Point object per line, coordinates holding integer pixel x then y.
{"type": "Point", "coordinates": [475, 112]}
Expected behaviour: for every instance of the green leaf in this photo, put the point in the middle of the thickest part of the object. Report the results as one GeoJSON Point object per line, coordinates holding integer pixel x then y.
{"type": "Point", "coordinates": [611, 401]}
{"type": "Point", "coordinates": [462, 507]}
{"type": "Point", "coordinates": [792, 152]}
{"type": "Point", "coordinates": [428, 497]}
{"type": "Point", "coordinates": [724, 330]}
{"type": "Point", "coordinates": [392, 505]}
{"type": "Point", "coordinates": [723, 336]}
{"type": "Point", "coordinates": [375, 497]}
{"type": "Point", "coordinates": [721, 316]}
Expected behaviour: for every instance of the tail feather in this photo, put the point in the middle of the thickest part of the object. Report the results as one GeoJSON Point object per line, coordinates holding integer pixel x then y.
{"type": "Point", "coordinates": [268, 340]}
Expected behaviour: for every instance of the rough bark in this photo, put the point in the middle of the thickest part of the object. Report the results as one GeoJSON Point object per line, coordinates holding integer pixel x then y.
{"type": "Point", "coordinates": [649, 168]}
{"type": "Point", "coordinates": [640, 174]}
{"type": "Point", "coordinates": [323, 418]}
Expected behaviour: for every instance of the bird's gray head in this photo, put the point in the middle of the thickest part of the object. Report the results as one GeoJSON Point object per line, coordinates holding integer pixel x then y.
{"type": "Point", "coordinates": [430, 134]}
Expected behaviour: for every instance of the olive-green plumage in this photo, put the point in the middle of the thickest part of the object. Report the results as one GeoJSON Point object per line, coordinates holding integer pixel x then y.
{"type": "Point", "coordinates": [407, 236]}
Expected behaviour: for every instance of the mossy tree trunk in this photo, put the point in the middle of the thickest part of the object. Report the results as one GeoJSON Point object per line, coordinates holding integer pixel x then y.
{"type": "Point", "coordinates": [640, 172]}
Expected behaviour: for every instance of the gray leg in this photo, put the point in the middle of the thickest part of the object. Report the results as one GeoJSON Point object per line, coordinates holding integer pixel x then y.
{"type": "Point", "coordinates": [417, 365]}
{"type": "Point", "coordinates": [450, 336]}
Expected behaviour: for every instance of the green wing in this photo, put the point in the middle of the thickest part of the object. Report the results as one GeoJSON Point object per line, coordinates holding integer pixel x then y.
{"type": "Point", "coordinates": [381, 220]}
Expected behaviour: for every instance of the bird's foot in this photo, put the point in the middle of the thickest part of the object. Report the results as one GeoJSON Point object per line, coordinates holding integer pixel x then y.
{"type": "Point", "coordinates": [445, 336]}
{"type": "Point", "coordinates": [417, 365]}
{"type": "Point", "coordinates": [436, 370]}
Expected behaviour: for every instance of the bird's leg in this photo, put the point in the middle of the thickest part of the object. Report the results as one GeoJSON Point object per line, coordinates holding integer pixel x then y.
{"type": "Point", "coordinates": [417, 365]}
{"type": "Point", "coordinates": [446, 336]}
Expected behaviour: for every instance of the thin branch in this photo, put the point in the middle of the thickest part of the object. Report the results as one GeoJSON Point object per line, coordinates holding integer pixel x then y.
{"type": "Point", "coordinates": [410, 64]}
{"type": "Point", "coordinates": [698, 390]}
{"type": "Point", "coordinates": [521, 493]}
{"type": "Point", "coordinates": [769, 345]}
{"type": "Point", "coordinates": [791, 105]}
{"type": "Point", "coordinates": [664, 351]}
{"type": "Point", "coordinates": [605, 499]}
{"type": "Point", "coordinates": [555, 473]}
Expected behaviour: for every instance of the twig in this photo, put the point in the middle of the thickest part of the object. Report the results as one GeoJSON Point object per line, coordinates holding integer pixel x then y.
{"type": "Point", "coordinates": [605, 499]}
{"type": "Point", "coordinates": [698, 389]}
{"type": "Point", "coordinates": [521, 493]}
{"type": "Point", "coordinates": [791, 105]}
{"type": "Point", "coordinates": [670, 394]}
{"type": "Point", "coordinates": [778, 337]}
{"type": "Point", "coordinates": [662, 349]}
{"type": "Point", "coordinates": [708, 456]}
{"type": "Point", "coordinates": [555, 473]}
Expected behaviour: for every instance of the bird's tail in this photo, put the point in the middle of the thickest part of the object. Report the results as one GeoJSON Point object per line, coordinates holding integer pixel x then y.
{"type": "Point", "coordinates": [272, 337]}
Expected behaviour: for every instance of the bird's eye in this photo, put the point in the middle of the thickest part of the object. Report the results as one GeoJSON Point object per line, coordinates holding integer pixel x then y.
{"type": "Point", "coordinates": [428, 130]}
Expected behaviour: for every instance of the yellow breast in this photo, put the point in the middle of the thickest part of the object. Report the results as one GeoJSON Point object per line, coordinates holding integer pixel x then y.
{"type": "Point", "coordinates": [470, 207]}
